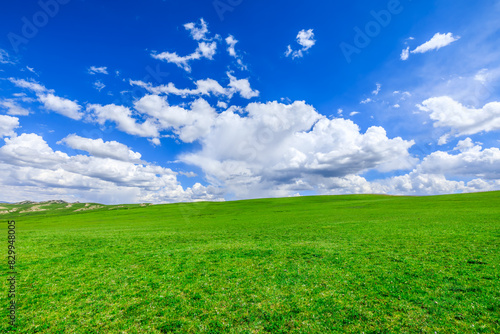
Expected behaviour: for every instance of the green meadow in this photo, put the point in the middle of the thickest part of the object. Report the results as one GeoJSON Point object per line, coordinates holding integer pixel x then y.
{"type": "Point", "coordinates": [319, 264]}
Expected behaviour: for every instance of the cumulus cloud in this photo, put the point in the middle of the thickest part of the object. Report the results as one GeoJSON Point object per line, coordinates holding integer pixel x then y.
{"type": "Point", "coordinates": [471, 161]}
{"type": "Point", "coordinates": [7, 125]}
{"type": "Point", "coordinates": [241, 86]}
{"type": "Point", "coordinates": [98, 70]}
{"type": "Point", "coordinates": [439, 171]}
{"type": "Point", "coordinates": [99, 148]}
{"type": "Point", "coordinates": [61, 106]}
{"type": "Point", "coordinates": [231, 42]}
{"type": "Point", "coordinates": [462, 120]}
{"type": "Point", "coordinates": [50, 101]}
{"type": "Point", "coordinates": [197, 31]}
{"type": "Point", "coordinates": [29, 163]}
{"type": "Point", "coordinates": [122, 117]}
{"type": "Point", "coordinates": [282, 148]}
{"type": "Point", "coordinates": [305, 38]}
{"type": "Point", "coordinates": [189, 124]}
{"type": "Point", "coordinates": [13, 108]}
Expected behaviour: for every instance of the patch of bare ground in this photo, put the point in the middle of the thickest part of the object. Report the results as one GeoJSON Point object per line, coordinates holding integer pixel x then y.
{"type": "Point", "coordinates": [34, 208]}
{"type": "Point", "coordinates": [89, 207]}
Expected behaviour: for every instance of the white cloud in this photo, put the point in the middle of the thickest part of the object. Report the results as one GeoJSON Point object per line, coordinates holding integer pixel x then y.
{"type": "Point", "coordinates": [50, 101]}
{"type": "Point", "coordinates": [437, 171]}
{"type": "Point", "coordinates": [353, 113]}
{"type": "Point", "coordinates": [7, 125]}
{"type": "Point", "coordinates": [61, 106]}
{"type": "Point", "coordinates": [31, 69]}
{"type": "Point", "coordinates": [99, 85]}
{"type": "Point", "coordinates": [122, 117]}
{"type": "Point", "coordinates": [204, 50]}
{"type": "Point", "coordinates": [198, 32]}
{"type": "Point", "coordinates": [377, 90]}
{"type": "Point", "coordinates": [32, 169]}
{"type": "Point", "coordinates": [13, 108]}
{"type": "Point", "coordinates": [365, 101]}
{"type": "Point", "coordinates": [222, 104]}
{"type": "Point", "coordinates": [283, 148]}
{"type": "Point", "coordinates": [101, 149]}
{"type": "Point", "coordinates": [188, 124]}
{"type": "Point", "coordinates": [241, 86]}
{"type": "Point", "coordinates": [405, 54]}
{"type": "Point", "coordinates": [155, 141]}
{"type": "Point", "coordinates": [231, 42]}
{"type": "Point", "coordinates": [203, 87]}
{"type": "Point", "coordinates": [436, 42]}
{"type": "Point", "coordinates": [446, 112]}
{"type": "Point", "coordinates": [464, 145]}
{"type": "Point", "coordinates": [305, 38]}
{"type": "Point", "coordinates": [98, 70]}
{"type": "Point", "coordinates": [471, 161]}
{"type": "Point", "coordinates": [5, 58]}
{"type": "Point", "coordinates": [31, 85]}
{"type": "Point", "coordinates": [416, 183]}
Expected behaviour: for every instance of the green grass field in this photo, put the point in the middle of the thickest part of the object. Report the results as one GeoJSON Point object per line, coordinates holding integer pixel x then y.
{"type": "Point", "coordinates": [322, 264]}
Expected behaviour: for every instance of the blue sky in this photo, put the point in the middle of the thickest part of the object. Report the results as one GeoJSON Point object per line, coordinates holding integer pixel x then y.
{"type": "Point", "coordinates": [167, 101]}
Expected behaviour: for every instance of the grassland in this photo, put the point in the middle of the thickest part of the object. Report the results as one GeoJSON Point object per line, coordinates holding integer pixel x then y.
{"type": "Point", "coordinates": [323, 264]}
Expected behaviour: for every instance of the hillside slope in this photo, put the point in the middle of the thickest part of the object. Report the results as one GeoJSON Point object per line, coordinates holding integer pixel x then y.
{"type": "Point", "coordinates": [334, 264]}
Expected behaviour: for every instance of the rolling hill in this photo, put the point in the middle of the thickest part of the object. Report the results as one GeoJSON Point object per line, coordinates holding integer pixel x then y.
{"type": "Point", "coordinates": [320, 264]}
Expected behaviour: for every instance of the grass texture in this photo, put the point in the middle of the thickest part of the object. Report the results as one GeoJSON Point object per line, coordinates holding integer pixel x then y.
{"type": "Point", "coordinates": [319, 264]}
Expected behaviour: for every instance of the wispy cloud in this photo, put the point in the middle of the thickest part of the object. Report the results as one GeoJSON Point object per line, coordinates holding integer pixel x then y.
{"type": "Point", "coordinates": [5, 57]}
{"type": "Point", "coordinates": [206, 47]}
{"type": "Point", "coordinates": [437, 42]}
{"type": "Point", "coordinates": [231, 42]}
{"type": "Point", "coordinates": [13, 108]}
{"type": "Point", "coordinates": [98, 70]}
{"type": "Point", "coordinates": [99, 85]}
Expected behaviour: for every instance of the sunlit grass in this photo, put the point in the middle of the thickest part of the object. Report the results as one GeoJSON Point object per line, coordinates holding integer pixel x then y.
{"type": "Point", "coordinates": [363, 263]}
